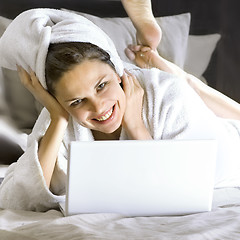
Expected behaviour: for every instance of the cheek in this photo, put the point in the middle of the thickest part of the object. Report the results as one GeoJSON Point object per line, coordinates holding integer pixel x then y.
{"type": "Point", "coordinates": [78, 114]}
{"type": "Point", "coordinates": [116, 90]}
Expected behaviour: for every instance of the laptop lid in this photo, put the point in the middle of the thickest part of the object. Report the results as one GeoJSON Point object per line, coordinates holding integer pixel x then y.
{"type": "Point", "coordinates": [141, 178]}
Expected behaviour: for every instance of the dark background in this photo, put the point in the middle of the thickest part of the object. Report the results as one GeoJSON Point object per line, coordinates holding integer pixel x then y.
{"type": "Point", "coordinates": [207, 16]}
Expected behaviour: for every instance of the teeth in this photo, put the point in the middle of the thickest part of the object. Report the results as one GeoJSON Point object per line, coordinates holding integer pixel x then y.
{"type": "Point", "coordinates": [105, 117]}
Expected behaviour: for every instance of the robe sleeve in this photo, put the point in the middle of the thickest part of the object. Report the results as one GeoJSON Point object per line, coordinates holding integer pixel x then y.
{"type": "Point", "coordinates": [24, 186]}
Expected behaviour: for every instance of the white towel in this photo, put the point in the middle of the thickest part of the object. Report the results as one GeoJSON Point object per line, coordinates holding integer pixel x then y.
{"type": "Point", "coordinates": [26, 40]}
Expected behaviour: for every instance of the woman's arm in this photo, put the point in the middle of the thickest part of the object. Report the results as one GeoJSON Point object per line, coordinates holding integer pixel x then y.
{"type": "Point", "coordinates": [132, 119]}
{"type": "Point", "coordinates": [49, 147]}
{"type": "Point", "coordinates": [50, 143]}
{"type": "Point", "coordinates": [219, 103]}
{"type": "Point", "coordinates": [24, 186]}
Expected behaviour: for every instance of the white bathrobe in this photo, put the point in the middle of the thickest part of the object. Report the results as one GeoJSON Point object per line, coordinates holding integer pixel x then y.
{"type": "Point", "coordinates": [171, 110]}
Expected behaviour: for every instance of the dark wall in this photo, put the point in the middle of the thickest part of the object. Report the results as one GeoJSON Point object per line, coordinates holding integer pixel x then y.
{"type": "Point", "coordinates": [208, 16]}
{"type": "Point", "coordinates": [214, 16]}
{"type": "Point", "coordinates": [11, 8]}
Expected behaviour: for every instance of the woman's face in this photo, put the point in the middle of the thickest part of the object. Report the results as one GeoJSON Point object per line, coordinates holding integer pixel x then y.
{"type": "Point", "coordinates": [92, 94]}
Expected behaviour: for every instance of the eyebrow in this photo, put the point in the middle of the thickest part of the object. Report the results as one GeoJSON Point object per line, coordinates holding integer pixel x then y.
{"type": "Point", "coordinates": [70, 100]}
{"type": "Point", "coordinates": [98, 82]}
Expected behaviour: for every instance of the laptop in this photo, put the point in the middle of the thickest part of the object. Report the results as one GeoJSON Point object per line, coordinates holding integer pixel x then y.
{"type": "Point", "coordinates": [140, 178]}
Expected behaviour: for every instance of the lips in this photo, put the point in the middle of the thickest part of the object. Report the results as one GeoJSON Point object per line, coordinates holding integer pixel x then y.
{"type": "Point", "coordinates": [106, 115]}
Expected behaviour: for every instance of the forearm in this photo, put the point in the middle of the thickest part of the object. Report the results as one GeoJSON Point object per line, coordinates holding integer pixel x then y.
{"type": "Point", "coordinates": [170, 67]}
{"type": "Point", "coordinates": [219, 103]}
{"type": "Point", "coordinates": [49, 147]}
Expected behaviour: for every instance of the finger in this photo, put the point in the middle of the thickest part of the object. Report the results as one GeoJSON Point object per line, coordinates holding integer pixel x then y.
{"type": "Point", "coordinates": [130, 54]}
{"type": "Point", "coordinates": [124, 81]}
{"type": "Point", "coordinates": [33, 76]}
{"type": "Point", "coordinates": [145, 49]}
{"type": "Point", "coordinates": [141, 54]}
{"type": "Point", "coordinates": [35, 81]}
{"type": "Point", "coordinates": [23, 75]}
{"type": "Point", "coordinates": [129, 74]}
{"type": "Point", "coordinates": [20, 69]}
{"type": "Point", "coordinates": [128, 83]}
{"type": "Point", "coordinates": [132, 81]}
{"type": "Point", "coordinates": [134, 48]}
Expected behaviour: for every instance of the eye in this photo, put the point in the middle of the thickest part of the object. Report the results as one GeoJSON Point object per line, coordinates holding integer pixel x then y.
{"type": "Point", "coordinates": [101, 86]}
{"type": "Point", "coordinates": [76, 102]}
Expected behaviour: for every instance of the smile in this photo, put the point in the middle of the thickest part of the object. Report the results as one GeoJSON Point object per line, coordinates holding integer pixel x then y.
{"type": "Point", "coordinates": [106, 116]}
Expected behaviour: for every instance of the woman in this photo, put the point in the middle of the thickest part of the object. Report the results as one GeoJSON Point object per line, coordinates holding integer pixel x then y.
{"type": "Point", "coordinates": [102, 108]}
{"type": "Point", "coordinates": [87, 98]}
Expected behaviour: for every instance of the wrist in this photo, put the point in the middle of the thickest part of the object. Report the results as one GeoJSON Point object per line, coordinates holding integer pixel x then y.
{"type": "Point", "coordinates": [198, 86]}
{"type": "Point", "coordinates": [59, 123]}
{"type": "Point", "coordinates": [60, 118]}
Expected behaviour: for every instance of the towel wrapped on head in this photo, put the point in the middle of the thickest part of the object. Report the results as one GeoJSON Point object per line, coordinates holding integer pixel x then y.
{"type": "Point", "coordinates": [26, 40]}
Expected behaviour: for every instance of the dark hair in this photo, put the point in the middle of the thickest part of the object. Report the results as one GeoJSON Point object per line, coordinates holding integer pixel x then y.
{"type": "Point", "coordinates": [63, 57]}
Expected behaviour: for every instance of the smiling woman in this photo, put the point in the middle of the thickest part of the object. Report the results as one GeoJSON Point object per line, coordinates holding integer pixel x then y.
{"type": "Point", "coordinates": [79, 78]}
{"type": "Point", "coordinates": [94, 98]}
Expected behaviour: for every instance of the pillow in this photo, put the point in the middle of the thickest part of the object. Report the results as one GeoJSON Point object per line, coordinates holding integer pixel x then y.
{"type": "Point", "coordinates": [122, 32]}
{"type": "Point", "coordinates": [175, 32]}
{"type": "Point", "coordinates": [4, 22]}
{"type": "Point", "coordinates": [199, 52]}
{"type": "Point", "coordinates": [3, 103]}
{"type": "Point", "coordinates": [20, 102]}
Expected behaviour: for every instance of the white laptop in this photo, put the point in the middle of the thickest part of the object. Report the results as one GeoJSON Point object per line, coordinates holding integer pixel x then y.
{"type": "Point", "coordinates": [140, 178]}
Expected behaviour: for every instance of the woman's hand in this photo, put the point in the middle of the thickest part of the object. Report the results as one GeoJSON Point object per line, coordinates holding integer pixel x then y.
{"type": "Point", "coordinates": [31, 82]}
{"type": "Point", "coordinates": [132, 119]}
{"type": "Point", "coordinates": [143, 56]}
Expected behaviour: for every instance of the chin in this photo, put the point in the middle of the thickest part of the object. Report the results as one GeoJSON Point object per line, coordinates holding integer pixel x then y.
{"type": "Point", "coordinates": [110, 130]}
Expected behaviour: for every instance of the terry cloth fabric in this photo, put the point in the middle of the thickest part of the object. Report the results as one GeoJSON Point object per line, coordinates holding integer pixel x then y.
{"type": "Point", "coordinates": [171, 110]}
{"type": "Point", "coordinates": [30, 34]}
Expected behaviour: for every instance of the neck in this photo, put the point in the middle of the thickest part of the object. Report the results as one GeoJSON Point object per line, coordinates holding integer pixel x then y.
{"type": "Point", "coordinates": [107, 136]}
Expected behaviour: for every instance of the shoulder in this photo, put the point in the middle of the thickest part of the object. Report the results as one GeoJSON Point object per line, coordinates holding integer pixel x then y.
{"type": "Point", "coordinates": [161, 85]}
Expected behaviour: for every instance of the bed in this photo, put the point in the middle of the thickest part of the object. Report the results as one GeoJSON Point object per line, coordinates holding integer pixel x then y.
{"type": "Point", "coordinates": [189, 30]}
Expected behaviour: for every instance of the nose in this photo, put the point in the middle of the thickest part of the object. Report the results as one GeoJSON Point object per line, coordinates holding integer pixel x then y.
{"type": "Point", "coordinates": [96, 105]}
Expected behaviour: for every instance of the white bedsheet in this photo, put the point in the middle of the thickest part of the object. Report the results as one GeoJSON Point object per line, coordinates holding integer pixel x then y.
{"type": "Point", "coordinates": [222, 223]}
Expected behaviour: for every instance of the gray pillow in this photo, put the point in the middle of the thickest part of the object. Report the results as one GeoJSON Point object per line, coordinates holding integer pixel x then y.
{"type": "Point", "coordinates": [20, 101]}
